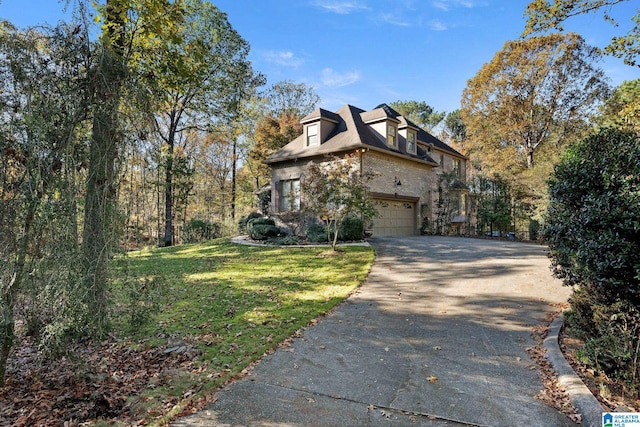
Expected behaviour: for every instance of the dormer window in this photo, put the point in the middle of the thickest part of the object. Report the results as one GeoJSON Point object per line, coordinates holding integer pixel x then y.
{"type": "Point", "coordinates": [411, 142]}
{"type": "Point", "coordinates": [392, 136]}
{"type": "Point", "coordinates": [313, 135]}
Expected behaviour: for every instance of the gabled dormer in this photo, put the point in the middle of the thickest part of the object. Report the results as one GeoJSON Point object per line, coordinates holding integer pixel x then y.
{"type": "Point", "coordinates": [318, 125]}
{"type": "Point", "coordinates": [409, 132]}
{"type": "Point", "coordinates": [383, 124]}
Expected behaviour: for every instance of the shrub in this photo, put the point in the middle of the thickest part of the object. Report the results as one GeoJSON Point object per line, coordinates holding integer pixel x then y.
{"type": "Point", "coordinates": [534, 229]}
{"type": "Point", "coordinates": [242, 222]}
{"type": "Point", "coordinates": [262, 228]}
{"type": "Point", "coordinates": [593, 233]}
{"type": "Point", "coordinates": [264, 231]}
{"type": "Point", "coordinates": [352, 228]}
{"type": "Point", "coordinates": [317, 233]}
{"type": "Point", "coordinates": [197, 230]}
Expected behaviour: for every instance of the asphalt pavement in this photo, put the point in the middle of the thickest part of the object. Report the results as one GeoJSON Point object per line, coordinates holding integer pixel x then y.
{"type": "Point", "coordinates": [437, 335]}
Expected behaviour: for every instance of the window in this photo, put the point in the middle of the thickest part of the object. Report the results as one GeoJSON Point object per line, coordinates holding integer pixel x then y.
{"type": "Point", "coordinates": [290, 194]}
{"type": "Point", "coordinates": [456, 200]}
{"type": "Point", "coordinates": [457, 167]}
{"type": "Point", "coordinates": [442, 160]}
{"type": "Point", "coordinates": [391, 136]}
{"type": "Point", "coordinates": [313, 138]}
{"type": "Point", "coordinates": [411, 142]}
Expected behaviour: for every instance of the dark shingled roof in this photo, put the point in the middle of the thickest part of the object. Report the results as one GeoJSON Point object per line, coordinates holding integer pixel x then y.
{"type": "Point", "coordinates": [423, 135]}
{"type": "Point", "coordinates": [320, 113]}
{"type": "Point", "coordinates": [352, 133]}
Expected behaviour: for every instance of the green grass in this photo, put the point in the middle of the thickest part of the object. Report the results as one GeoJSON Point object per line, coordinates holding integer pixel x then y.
{"type": "Point", "coordinates": [233, 302]}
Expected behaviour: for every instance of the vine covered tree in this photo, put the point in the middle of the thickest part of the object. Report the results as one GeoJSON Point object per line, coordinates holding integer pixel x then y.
{"type": "Point", "coordinates": [44, 99]}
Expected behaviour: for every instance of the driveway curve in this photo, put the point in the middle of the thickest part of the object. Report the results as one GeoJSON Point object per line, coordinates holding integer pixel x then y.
{"type": "Point", "coordinates": [437, 335]}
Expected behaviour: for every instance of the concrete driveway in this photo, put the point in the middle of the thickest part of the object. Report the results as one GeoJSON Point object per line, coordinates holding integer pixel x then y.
{"type": "Point", "coordinates": [436, 336]}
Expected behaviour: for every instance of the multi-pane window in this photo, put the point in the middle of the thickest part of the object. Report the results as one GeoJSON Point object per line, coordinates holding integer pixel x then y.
{"type": "Point", "coordinates": [290, 194]}
{"type": "Point", "coordinates": [392, 139]}
{"type": "Point", "coordinates": [411, 142]}
{"type": "Point", "coordinates": [457, 167]}
{"type": "Point", "coordinates": [313, 137]}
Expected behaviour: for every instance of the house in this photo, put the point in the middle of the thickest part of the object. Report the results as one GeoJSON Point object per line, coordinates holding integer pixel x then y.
{"type": "Point", "coordinates": [407, 162]}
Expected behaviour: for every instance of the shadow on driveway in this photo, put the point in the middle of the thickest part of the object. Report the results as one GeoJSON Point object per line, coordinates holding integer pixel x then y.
{"type": "Point", "coordinates": [436, 336]}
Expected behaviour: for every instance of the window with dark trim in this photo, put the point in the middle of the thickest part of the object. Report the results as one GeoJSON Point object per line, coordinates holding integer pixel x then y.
{"type": "Point", "coordinates": [290, 194]}
{"type": "Point", "coordinates": [411, 142]}
{"type": "Point", "coordinates": [392, 138]}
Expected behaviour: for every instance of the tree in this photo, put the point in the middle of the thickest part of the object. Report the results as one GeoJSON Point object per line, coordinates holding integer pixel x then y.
{"type": "Point", "coordinates": [533, 93]}
{"type": "Point", "coordinates": [544, 15]}
{"type": "Point", "coordinates": [622, 110]}
{"type": "Point", "coordinates": [290, 98]}
{"type": "Point", "coordinates": [493, 197]}
{"type": "Point", "coordinates": [271, 134]}
{"type": "Point", "coordinates": [198, 75]}
{"type": "Point", "coordinates": [419, 112]}
{"type": "Point", "coordinates": [455, 129]}
{"type": "Point", "coordinates": [44, 99]}
{"type": "Point", "coordinates": [335, 190]}
{"type": "Point", "coordinates": [593, 231]}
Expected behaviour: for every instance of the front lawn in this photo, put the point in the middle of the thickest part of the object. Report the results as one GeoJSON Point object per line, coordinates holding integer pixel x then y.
{"type": "Point", "coordinates": [215, 309]}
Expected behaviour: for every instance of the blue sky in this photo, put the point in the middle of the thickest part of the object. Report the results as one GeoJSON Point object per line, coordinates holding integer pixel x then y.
{"type": "Point", "coordinates": [366, 52]}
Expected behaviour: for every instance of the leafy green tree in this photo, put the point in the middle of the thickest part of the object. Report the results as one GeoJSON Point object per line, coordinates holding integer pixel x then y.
{"type": "Point", "coordinates": [335, 190]}
{"type": "Point", "coordinates": [533, 93]}
{"type": "Point", "coordinates": [493, 203]}
{"type": "Point", "coordinates": [544, 15]}
{"type": "Point", "coordinates": [593, 231]}
{"type": "Point", "coordinates": [199, 74]}
{"type": "Point", "coordinates": [622, 110]}
{"type": "Point", "coordinates": [419, 112]}
{"type": "Point", "coordinates": [455, 129]}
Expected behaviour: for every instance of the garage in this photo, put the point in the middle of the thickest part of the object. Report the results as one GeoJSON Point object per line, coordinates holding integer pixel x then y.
{"type": "Point", "coordinates": [396, 218]}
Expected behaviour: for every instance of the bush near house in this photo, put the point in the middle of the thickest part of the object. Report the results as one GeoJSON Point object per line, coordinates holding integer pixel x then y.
{"type": "Point", "coordinates": [242, 222]}
{"type": "Point", "coordinates": [262, 228]}
{"type": "Point", "coordinates": [593, 231]}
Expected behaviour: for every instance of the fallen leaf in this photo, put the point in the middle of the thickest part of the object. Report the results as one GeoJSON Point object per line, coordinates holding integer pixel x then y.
{"type": "Point", "coordinates": [432, 379]}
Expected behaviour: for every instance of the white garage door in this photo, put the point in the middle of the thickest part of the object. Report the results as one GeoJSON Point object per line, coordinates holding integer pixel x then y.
{"type": "Point", "coordinates": [396, 218]}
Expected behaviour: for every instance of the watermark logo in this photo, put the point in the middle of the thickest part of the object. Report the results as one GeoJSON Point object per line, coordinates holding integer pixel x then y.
{"type": "Point", "coordinates": [620, 419]}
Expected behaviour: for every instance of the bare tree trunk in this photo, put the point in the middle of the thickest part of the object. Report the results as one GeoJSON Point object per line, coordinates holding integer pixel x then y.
{"type": "Point", "coordinates": [168, 199]}
{"type": "Point", "coordinates": [234, 168]}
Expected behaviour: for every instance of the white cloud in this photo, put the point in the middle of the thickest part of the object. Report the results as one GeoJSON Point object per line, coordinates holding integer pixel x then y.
{"type": "Point", "coordinates": [393, 19]}
{"type": "Point", "coordinates": [285, 58]}
{"type": "Point", "coordinates": [332, 78]}
{"type": "Point", "coordinates": [437, 25]}
{"type": "Point", "coordinates": [447, 5]}
{"type": "Point", "coordinates": [341, 7]}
